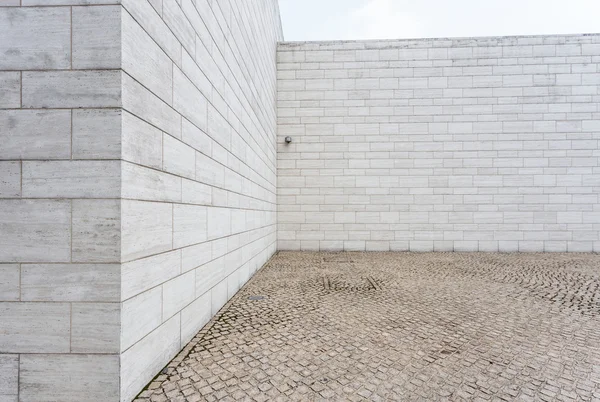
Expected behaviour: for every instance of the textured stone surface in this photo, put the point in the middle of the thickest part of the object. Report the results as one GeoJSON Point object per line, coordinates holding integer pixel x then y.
{"type": "Point", "coordinates": [79, 377]}
{"type": "Point", "coordinates": [60, 215]}
{"type": "Point", "coordinates": [199, 171]}
{"type": "Point", "coordinates": [34, 327]}
{"type": "Point", "coordinates": [474, 144]}
{"type": "Point", "coordinates": [35, 38]}
{"type": "Point", "coordinates": [400, 326]}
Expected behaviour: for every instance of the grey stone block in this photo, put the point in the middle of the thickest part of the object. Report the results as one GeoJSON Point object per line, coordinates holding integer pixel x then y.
{"type": "Point", "coordinates": [70, 282]}
{"type": "Point", "coordinates": [72, 179]}
{"type": "Point", "coordinates": [69, 378]}
{"type": "Point", "coordinates": [147, 229]}
{"type": "Point", "coordinates": [148, 184]}
{"type": "Point", "coordinates": [97, 37]}
{"type": "Point", "coordinates": [96, 231]}
{"type": "Point", "coordinates": [35, 38]}
{"type": "Point", "coordinates": [141, 362]}
{"type": "Point", "coordinates": [35, 230]}
{"type": "Point", "coordinates": [97, 133]}
{"type": "Point", "coordinates": [189, 225]}
{"type": "Point", "coordinates": [95, 328]}
{"type": "Point", "coordinates": [178, 293]}
{"type": "Point", "coordinates": [178, 158]}
{"type": "Point", "coordinates": [49, 130]}
{"type": "Point", "coordinates": [147, 16]}
{"type": "Point", "coordinates": [195, 256]}
{"type": "Point", "coordinates": [193, 192]}
{"type": "Point", "coordinates": [10, 179]}
{"type": "Point", "coordinates": [71, 89]}
{"type": "Point", "coordinates": [195, 316]}
{"type": "Point", "coordinates": [10, 89]}
{"type": "Point", "coordinates": [189, 101]}
{"type": "Point", "coordinates": [34, 327]}
{"type": "Point", "coordinates": [9, 376]}
{"type": "Point", "coordinates": [145, 61]}
{"type": "Point", "coordinates": [142, 143]}
{"type": "Point", "coordinates": [140, 315]}
{"type": "Point", "coordinates": [146, 273]}
{"type": "Point", "coordinates": [140, 102]}
{"type": "Point", "coordinates": [9, 282]}
{"type": "Point", "coordinates": [219, 296]}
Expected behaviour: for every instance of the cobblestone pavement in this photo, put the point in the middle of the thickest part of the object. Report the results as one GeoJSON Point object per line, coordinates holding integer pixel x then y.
{"type": "Point", "coordinates": [400, 326]}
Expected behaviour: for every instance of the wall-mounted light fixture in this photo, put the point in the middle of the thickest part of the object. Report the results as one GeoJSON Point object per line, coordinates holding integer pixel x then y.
{"type": "Point", "coordinates": [288, 140]}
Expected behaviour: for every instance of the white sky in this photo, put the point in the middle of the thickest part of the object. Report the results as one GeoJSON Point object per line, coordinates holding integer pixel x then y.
{"type": "Point", "coordinates": [394, 19]}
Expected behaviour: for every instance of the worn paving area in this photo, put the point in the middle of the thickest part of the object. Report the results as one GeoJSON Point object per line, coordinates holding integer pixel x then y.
{"type": "Point", "coordinates": [400, 327]}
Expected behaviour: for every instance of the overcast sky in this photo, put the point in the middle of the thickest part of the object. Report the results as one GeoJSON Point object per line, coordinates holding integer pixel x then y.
{"type": "Point", "coordinates": [392, 19]}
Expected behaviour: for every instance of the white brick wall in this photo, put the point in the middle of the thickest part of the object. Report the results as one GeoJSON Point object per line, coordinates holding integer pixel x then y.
{"type": "Point", "coordinates": [486, 144]}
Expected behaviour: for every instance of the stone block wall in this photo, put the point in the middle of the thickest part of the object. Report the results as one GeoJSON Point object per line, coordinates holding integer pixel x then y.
{"type": "Point", "coordinates": [137, 183]}
{"type": "Point", "coordinates": [60, 208]}
{"type": "Point", "coordinates": [199, 168]}
{"type": "Point", "coordinates": [480, 144]}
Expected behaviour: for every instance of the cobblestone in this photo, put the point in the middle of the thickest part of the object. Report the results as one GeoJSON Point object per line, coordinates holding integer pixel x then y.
{"type": "Point", "coordinates": [400, 326]}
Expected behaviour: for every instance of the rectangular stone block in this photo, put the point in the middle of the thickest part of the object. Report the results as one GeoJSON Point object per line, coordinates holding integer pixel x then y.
{"type": "Point", "coordinates": [189, 225]}
{"type": "Point", "coordinates": [147, 229]}
{"type": "Point", "coordinates": [178, 293]}
{"type": "Point", "coordinates": [145, 61]}
{"type": "Point", "coordinates": [35, 231]}
{"type": "Point", "coordinates": [95, 328]}
{"type": "Point", "coordinates": [210, 274]}
{"type": "Point", "coordinates": [219, 222]}
{"type": "Point", "coordinates": [72, 179]}
{"type": "Point", "coordinates": [10, 288]}
{"type": "Point", "coordinates": [140, 315]}
{"type": "Point", "coordinates": [140, 363]}
{"type": "Point", "coordinates": [195, 256]}
{"type": "Point", "coordinates": [71, 89]}
{"type": "Point", "coordinates": [179, 23]}
{"type": "Point", "coordinates": [148, 184]}
{"type": "Point", "coordinates": [195, 316]}
{"type": "Point", "coordinates": [97, 133]}
{"type": "Point", "coordinates": [141, 142]}
{"type": "Point", "coordinates": [146, 273]}
{"type": "Point", "coordinates": [10, 179]}
{"type": "Point", "coordinates": [97, 37]}
{"type": "Point", "coordinates": [9, 377]}
{"type": "Point", "coordinates": [219, 296]}
{"type": "Point", "coordinates": [70, 282]}
{"type": "Point", "coordinates": [34, 327]}
{"type": "Point", "coordinates": [193, 192]}
{"type": "Point", "coordinates": [49, 130]}
{"type": "Point", "coordinates": [179, 158]}
{"type": "Point", "coordinates": [141, 102]}
{"type": "Point", "coordinates": [96, 231]}
{"type": "Point", "coordinates": [196, 138]}
{"type": "Point", "coordinates": [80, 378]}
{"type": "Point", "coordinates": [148, 15]}
{"type": "Point", "coordinates": [35, 38]}
{"type": "Point", "coordinates": [189, 101]}
{"type": "Point", "coordinates": [10, 89]}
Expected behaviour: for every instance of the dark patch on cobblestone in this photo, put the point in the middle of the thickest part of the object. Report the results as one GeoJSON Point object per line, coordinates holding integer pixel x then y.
{"type": "Point", "coordinates": [441, 326]}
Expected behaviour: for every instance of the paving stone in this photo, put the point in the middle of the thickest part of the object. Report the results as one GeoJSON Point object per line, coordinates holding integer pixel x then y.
{"type": "Point", "coordinates": [400, 326]}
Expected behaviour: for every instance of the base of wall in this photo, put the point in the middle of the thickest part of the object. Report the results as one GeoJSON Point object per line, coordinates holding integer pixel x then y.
{"type": "Point", "coordinates": [443, 246]}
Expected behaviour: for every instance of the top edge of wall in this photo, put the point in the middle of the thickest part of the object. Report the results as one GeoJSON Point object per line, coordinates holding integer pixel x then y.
{"type": "Point", "coordinates": [553, 39]}
{"type": "Point", "coordinates": [281, 32]}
